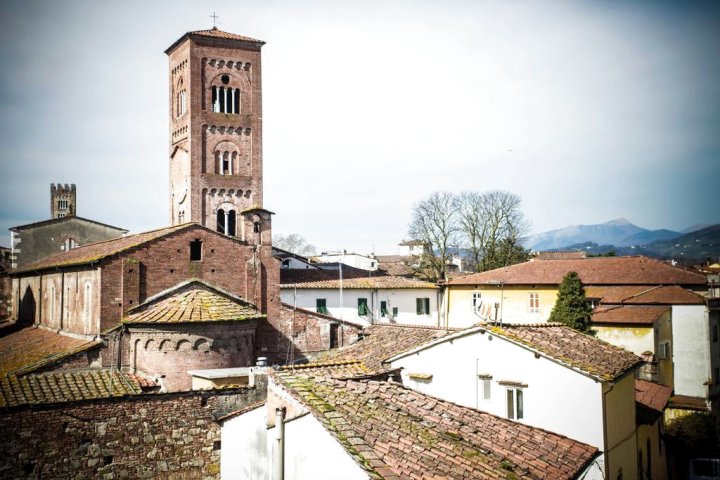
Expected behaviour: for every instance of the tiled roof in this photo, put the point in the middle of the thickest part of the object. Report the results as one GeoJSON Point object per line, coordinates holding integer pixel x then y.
{"type": "Point", "coordinates": [214, 33]}
{"type": "Point", "coordinates": [645, 294]}
{"type": "Point", "coordinates": [380, 342]}
{"type": "Point", "coordinates": [652, 395]}
{"type": "Point", "coordinates": [580, 351]}
{"type": "Point", "coordinates": [364, 283]}
{"type": "Point", "coordinates": [303, 275]}
{"type": "Point", "coordinates": [632, 315]}
{"type": "Point", "coordinates": [33, 348]}
{"type": "Point", "coordinates": [93, 252]}
{"type": "Point", "coordinates": [592, 271]}
{"type": "Point", "coordinates": [398, 265]}
{"type": "Point", "coordinates": [684, 402]}
{"type": "Point", "coordinates": [560, 255]}
{"type": "Point", "coordinates": [65, 386]}
{"type": "Point", "coordinates": [190, 302]}
{"type": "Point", "coordinates": [340, 369]}
{"type": "Point", "coordinates": [396, 433]}
{"type": "Point", "coordinates": [63, 220]}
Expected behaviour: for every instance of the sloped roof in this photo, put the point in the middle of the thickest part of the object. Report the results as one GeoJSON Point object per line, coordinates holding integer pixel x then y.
{"type": "Point", "coordinates": [32, 348]}
{"type": "Point", "coordinates": [644, 294]}
{"type": "Point", "coordinates": [636, 270]}
{"type": "Point", "coordinates": [382, 341]}
{"type": "Point", "coordinates": [67, 219]}
{"type": "Point", "coordinates": [631, 315]}
{"type": "Point", "coordinates": [652, 395]}
{"type": "Point", "coordinates": [397, 433]}
{"type": "Point", "coordinates": [214, 33]}
{"type": "Point", "coordinates": [290, 276]}
{"type": "Point", "coordinates": [192, 301]}
{"type": "Point", "coordinates": [560, 255]}
{"type": "Point", "coordinates": [365, 283]}
{"type": "Point", "coordinates": [94, 252]}
{"type": "Point", "coordinates": [398, 265]}
{"type": "Point", "coordinates": [65, 386]}
{"type": "Point", "coordinates": [339, 369]}
{"type": "Point", "coordinates": [583, 352]}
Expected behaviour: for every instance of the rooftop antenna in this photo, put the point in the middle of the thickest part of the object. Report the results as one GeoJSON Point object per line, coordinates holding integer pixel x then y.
{"type": "Point", "coordinates": [214, 17]}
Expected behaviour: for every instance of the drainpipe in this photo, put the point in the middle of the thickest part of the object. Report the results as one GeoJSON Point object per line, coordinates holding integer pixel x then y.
{"type": "Point", "coordinates": [279, 463]}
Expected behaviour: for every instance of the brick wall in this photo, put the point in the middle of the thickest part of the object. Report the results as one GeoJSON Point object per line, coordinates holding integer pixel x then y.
{"type": "Point", "coordinates": [151, 435]}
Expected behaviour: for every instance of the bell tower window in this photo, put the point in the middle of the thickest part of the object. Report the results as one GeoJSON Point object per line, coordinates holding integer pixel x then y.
{"type": "Point", "coordinates": [181, 99]}
{"type": "Point", "coordinates": [226, 222]}
{"type": "Point", "coordinates": [225, 99]}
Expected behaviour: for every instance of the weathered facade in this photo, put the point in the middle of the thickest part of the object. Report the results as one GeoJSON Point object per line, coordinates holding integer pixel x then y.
{"type": "Point", "coordinates": [215, 128]}
{"type": "Point", "coordinates": [35, 241]}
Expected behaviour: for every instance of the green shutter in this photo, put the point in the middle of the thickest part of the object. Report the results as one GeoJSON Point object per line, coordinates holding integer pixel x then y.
{"type": "Point", "coordinates": [321, 306]}
{"type": "Point", "coordinates": [362, 307]}
{"type": "Point", "coordinates": [419, 306]}
{"type": "Point", "coordinates": [427, 306]}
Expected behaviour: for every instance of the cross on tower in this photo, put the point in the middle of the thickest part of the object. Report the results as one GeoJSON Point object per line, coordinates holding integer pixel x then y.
{"type": "Point", "coordinates": [214, 17]}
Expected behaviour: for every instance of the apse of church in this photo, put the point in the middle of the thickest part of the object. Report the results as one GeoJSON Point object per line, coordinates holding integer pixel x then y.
{"type": "Point", "coordinates": [215, 130]}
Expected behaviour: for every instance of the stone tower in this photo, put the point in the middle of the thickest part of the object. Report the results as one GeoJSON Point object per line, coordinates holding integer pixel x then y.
{"type": "Point", "coordinates": [62, 200]}
{"type": "Point", "coordinates": [216, 131]}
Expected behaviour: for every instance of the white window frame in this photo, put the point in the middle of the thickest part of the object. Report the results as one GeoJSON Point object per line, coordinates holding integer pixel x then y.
{"type": "Point", "coordinates": [514, 403]}
{"type": "Point", "coordinates": [534, 305]}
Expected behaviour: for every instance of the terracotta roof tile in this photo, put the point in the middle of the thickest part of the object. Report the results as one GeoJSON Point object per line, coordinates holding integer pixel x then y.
{"type": "Point", "coordinates": [93, 252]}
{"type": "Point", "coordinates": [64, 386]}
{"type": "Point", "coordinates": [33, 348]}
{"type": "Point", "coordinates": [217, 33]}
{"type": "Point", "coordinates": [190, 302]}
{"type": "Point", "coordinates": [290, 276]}
{"type": "Point", "coordinates": [652, 395]}
{"type": "Point", "coordinates": [588, 354]}
{"type": "Point", "coordinates": [644, 294]}
{"type": "Point", "coordinates": [394, 432]}
{"type": "Point", "coordinates": [380, 342]}
{"type": "Point", "coordinates": [398, 265]}
{"type": "Point", "coordinates": [685, 402]}
{"type": "Point", "coordinates": [340, 369]}
{"type": "Point", "coordinates": [592, 271]}
{"type": "Point", "coordinates": [631, 315]}
{"type": "Point", "coordinates": [365, 283]}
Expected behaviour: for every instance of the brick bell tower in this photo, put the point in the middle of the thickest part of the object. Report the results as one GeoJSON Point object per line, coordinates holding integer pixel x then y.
{"type": "Point", "coordinates": [216, 170]}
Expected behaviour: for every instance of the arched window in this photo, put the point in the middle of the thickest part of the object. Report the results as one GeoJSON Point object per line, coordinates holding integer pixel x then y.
{"type": "Point", "coordinates": [68, 244]}
{"type": "Point", "coordinates": [181, 99]}
{"type": "Point", "coordinates": [231, 223]}
{"type": "Point", "coordinates": [221, 221]}
{"type": "Point", "coordinates": [225, 99]}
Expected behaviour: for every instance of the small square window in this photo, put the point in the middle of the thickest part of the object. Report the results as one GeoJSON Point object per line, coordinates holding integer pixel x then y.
{"type": "Point", "coordinates": [321, 306]}
{"type": "Point", "coordinates": [195, 250]}
{"type": "Point", "coordinates": [422, 306]}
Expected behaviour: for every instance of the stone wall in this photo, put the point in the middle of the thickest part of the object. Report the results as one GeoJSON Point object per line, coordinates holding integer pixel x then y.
{"type": "Point", "coordinates": [144, 436]}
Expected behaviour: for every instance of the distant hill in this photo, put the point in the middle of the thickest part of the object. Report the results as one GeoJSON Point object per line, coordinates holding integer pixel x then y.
{"type": "Point", "coordinates": [648, 236]}
{"type": "Point", "coordinates": [613, 232]}
{"type": "Point", "coordinates": [696, 246]}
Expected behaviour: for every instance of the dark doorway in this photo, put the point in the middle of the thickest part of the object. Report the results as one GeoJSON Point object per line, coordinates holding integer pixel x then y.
{"type": "Point", "coordinates": [26, 315]}
{"type": "Point", "coordinates": [334, 335]}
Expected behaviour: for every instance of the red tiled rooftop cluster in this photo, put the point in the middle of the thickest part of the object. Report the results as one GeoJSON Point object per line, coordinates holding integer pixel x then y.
{"type": "Point", "coordinates": [397, 433]}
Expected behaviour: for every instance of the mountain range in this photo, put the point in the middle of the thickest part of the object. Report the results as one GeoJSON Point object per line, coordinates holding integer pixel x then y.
{"type": "Point", "coordinates": [695, 243]}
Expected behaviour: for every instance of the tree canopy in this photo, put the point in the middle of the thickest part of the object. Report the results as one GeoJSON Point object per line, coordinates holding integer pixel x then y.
{"type": "Point", "coordinates": [572, 307]}
{"type": "Point", "coordinates": [294, 243]}
{"type": "Point", "coordinates": [484, 228]}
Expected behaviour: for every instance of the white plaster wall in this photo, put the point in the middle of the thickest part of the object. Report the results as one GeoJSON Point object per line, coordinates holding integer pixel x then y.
{"type": "Point", "coordinates": [691, 349]}
{"type": "Point", "coordinates": [556, 398]}
{"type": "Point", "coordinates": [403, 299]}
{"type": "Point", "coordinates": [244, 453]}
{"type": "Point", "coordinates": [352, 259]}
{"type": "Point", "coordinates": [311, 452]}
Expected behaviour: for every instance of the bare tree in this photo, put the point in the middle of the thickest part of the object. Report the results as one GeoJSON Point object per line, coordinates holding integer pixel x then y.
{"type": "Point", "coordinates": [294, 243]}
{"type": "Point", "coordinates": [434, 221]}
{"type": "Point", "coordinates": [492, 226]}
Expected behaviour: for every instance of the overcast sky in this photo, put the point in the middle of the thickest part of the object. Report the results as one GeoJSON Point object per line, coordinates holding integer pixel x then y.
{"type": "Point", "coordinates": [589, 110]}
